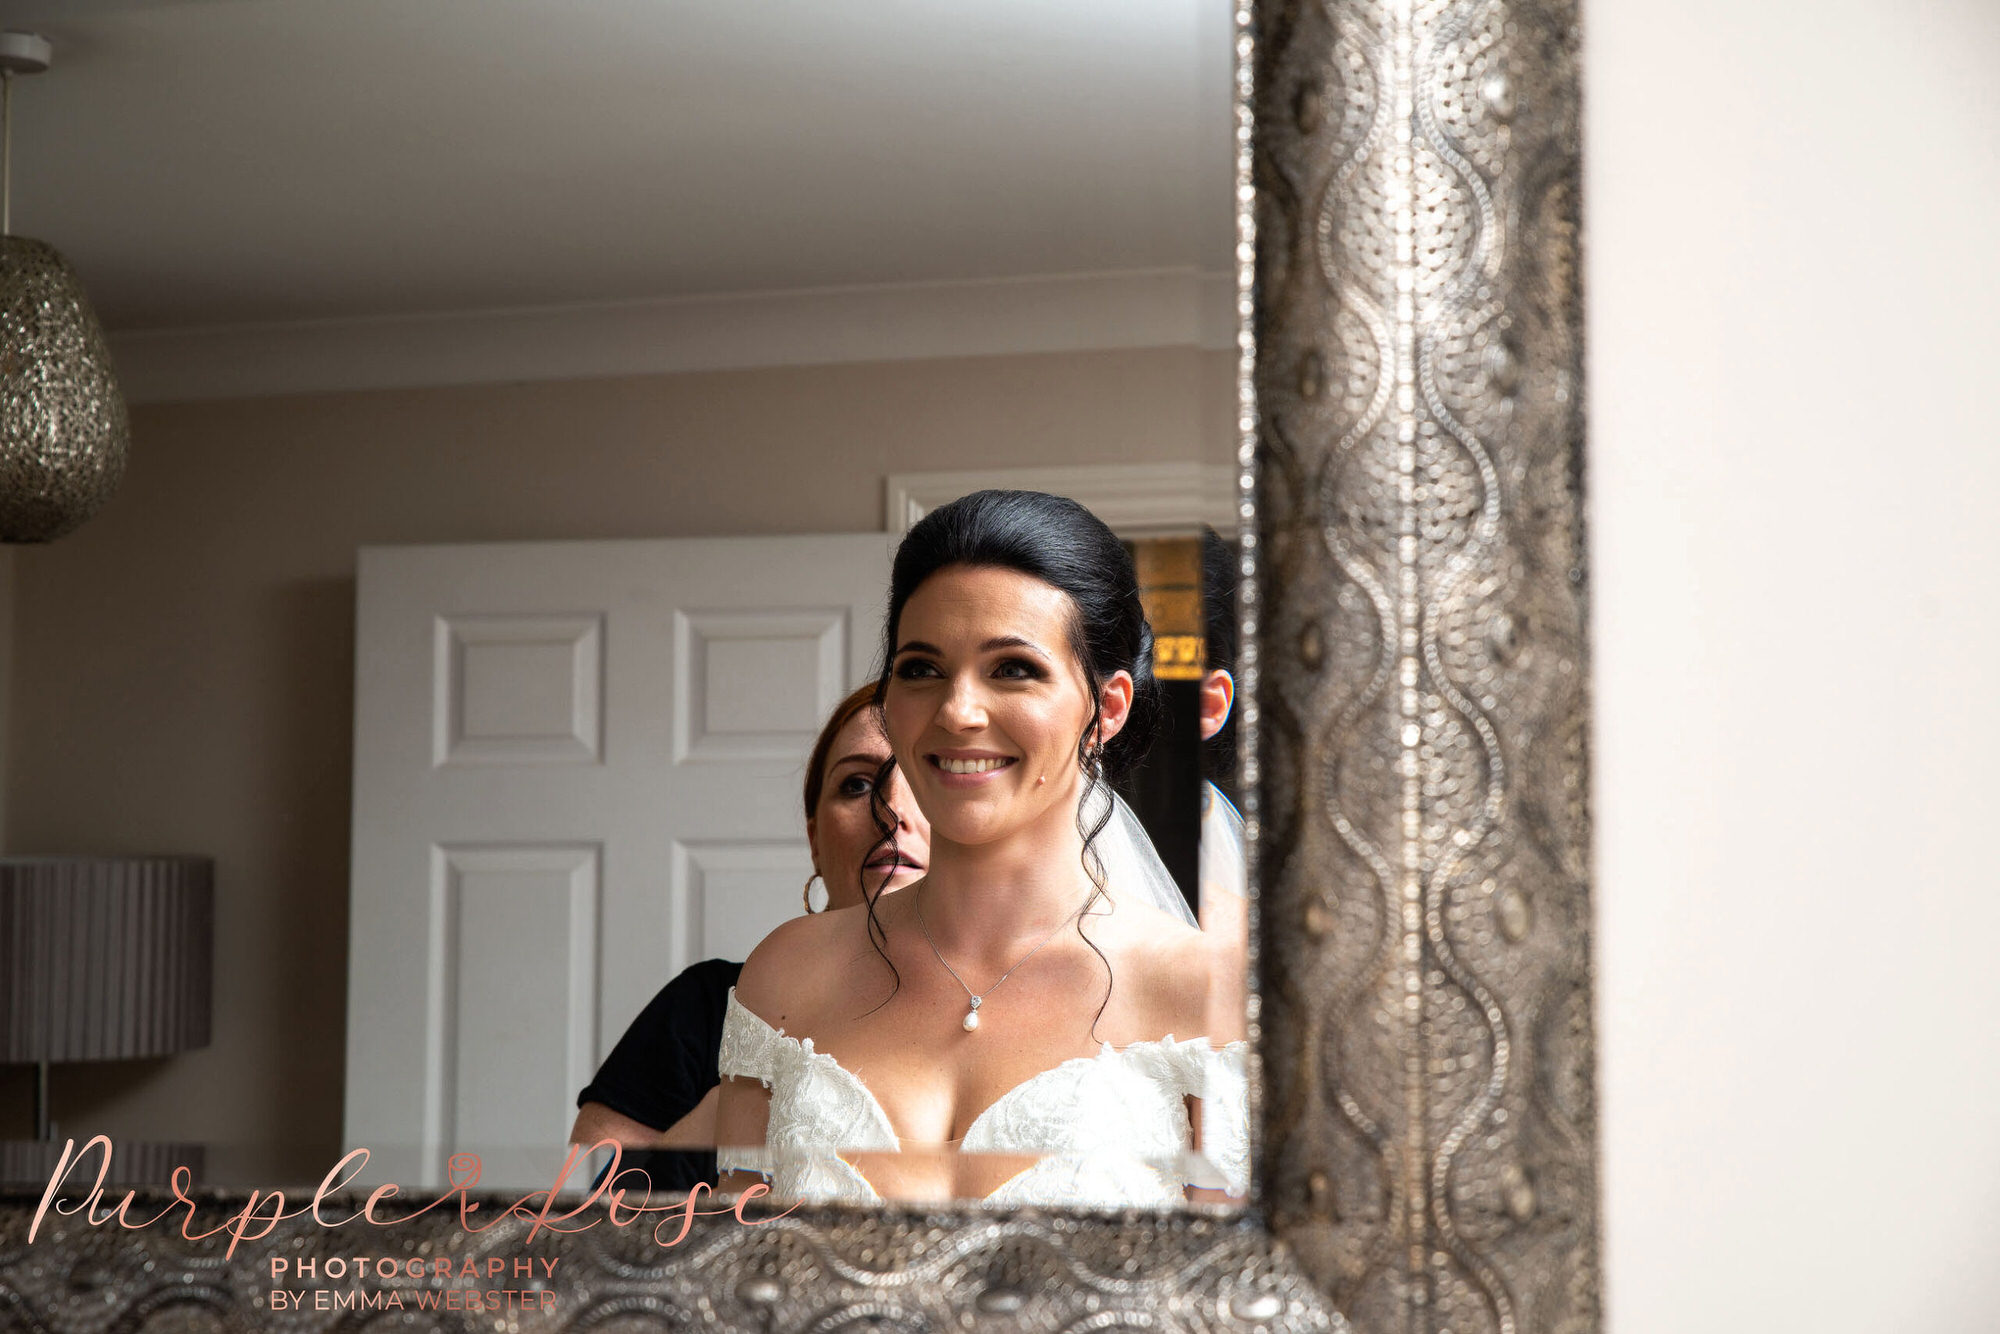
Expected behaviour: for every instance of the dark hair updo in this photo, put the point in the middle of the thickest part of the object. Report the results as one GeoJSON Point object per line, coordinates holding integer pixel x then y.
{"type": "Point", "coordinates": [1064, 545]}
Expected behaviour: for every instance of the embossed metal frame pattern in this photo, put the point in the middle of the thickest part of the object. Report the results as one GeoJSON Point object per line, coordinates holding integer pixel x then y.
{"type": "Point", "coordinates": [1414, 715]}
{"type": "Point", "coordinates": [1420, 703]}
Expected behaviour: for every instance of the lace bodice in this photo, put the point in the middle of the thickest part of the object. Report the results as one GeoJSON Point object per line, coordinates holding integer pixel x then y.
{"type": "Point", "coordinates": [1112, 1128]}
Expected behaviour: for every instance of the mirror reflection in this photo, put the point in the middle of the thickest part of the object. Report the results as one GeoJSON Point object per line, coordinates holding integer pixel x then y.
{"type": "Point", "coordinates": [1017, 687]}
{"type": "Point", "coordinates": [750, 683]}
{"type": "Point", "coordinates": [1025, 642]}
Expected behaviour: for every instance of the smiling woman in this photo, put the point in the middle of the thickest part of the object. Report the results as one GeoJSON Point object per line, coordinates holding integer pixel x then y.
{"type": "Point", "coordinates": [1010, 1024]}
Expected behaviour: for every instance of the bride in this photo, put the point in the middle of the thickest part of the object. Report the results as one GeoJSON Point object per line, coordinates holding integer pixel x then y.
{"type": "Point", "coordinates": [1029, 1023]}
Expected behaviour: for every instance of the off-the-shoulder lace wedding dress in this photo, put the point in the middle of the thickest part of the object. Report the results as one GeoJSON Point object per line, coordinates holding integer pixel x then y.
{"type": "Point", "coordinates": [1112, 1129]}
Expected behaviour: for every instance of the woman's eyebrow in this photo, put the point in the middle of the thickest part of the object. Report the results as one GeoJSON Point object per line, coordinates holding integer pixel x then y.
{"type": "Point", "coordinates": [997, 642]}
{"type": "Point", "coordinates": [872, 761]}
{"type": "Point", "coordinates": [1012, 641]}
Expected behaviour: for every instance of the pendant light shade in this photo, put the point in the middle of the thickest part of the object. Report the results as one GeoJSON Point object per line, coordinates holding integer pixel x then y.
{"type": "Point", "coordinates": [63, 427]}
{"type": "Point", "coordinates": [63, 430]}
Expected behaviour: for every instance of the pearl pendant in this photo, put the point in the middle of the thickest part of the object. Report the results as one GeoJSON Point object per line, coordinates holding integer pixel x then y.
{"type": "Point", "coordinates": [971, 1020]}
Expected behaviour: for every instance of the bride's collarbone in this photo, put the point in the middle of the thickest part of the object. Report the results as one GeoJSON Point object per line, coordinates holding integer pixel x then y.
{"type": "Point", "coordinates": [903, 1007]}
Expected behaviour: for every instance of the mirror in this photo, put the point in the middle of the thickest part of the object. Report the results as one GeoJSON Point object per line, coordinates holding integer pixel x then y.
{"type": "Point", "coordinates": [1412, 910]}
{"type": "Point", "coordinates": [526, 404]}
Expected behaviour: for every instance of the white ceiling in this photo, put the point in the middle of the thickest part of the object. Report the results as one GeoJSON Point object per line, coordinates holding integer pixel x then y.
{"type": "Point", "coordinates": [223, 162]}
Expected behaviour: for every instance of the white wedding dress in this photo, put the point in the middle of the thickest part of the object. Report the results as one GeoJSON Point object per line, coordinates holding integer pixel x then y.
{"type": "Point", "coordinates": [1112, 1129]}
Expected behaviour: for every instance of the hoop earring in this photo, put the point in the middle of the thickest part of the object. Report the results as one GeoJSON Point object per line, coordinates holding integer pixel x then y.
{"type": "Point", "coordinates": [808, 894]}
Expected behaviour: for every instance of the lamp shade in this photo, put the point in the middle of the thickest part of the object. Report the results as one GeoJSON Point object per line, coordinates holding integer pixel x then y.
{"type": "Point", "coordinates": [63, 426]}
{"type": "Point", "coordinates": [104, 958]}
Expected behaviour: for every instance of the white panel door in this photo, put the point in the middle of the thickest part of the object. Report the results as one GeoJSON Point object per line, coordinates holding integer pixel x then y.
{"type": "Point", "coordinates": [576, 771]}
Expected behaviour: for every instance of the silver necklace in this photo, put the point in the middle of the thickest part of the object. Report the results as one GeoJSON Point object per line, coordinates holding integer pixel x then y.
{"type": "Point", "coordinates": [971, 1021]}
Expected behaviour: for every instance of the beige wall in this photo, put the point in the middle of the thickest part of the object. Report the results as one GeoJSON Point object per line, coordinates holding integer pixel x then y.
{"type": "Point", "coordinates": [182, 665]}
{"type": "Point", "coordinates": [1793, 334]}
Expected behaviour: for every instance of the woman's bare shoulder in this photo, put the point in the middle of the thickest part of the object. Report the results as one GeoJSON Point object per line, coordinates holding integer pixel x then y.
{"type": "Point", "coordinates": [1154, 931]}
{"type": "Point", "coordinates": [802, 965]}
{"type": "Point", "coordinates": [1169, 963]}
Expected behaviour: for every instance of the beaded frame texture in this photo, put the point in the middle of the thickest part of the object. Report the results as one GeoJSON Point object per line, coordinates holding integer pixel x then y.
{"type": "Point", "coordinates": [1415, 718]}
{"type": "Point", "coordinates": [1429, 1119]}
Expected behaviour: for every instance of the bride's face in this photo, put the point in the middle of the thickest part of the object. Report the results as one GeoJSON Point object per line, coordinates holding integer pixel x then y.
{"type": "Point", "coordinates": [987, 702]}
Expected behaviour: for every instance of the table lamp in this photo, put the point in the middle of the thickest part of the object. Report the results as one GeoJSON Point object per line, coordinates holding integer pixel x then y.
{"type": "Point", "coordinates": [103, 959]}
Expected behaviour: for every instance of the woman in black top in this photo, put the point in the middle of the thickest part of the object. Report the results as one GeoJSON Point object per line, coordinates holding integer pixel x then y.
{"type": "Point", "coordinates": [657, 1089]}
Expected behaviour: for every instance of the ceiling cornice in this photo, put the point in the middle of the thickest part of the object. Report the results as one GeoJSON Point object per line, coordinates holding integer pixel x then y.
{"type": "Point", "coordinates": [1065, 313]}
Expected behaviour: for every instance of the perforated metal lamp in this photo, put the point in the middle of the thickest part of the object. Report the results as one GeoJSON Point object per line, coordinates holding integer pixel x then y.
{"type": "Point", "coordinates": [103, 959]}
{"type": "Point", "coordinates": [63, 426]}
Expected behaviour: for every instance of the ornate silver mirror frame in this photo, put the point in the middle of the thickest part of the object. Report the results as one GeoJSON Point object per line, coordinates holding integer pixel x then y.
{"type": "Point", "coordinates": [1415, 703]}
{"type": "Point", "coordinates": [1429, 1124]}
